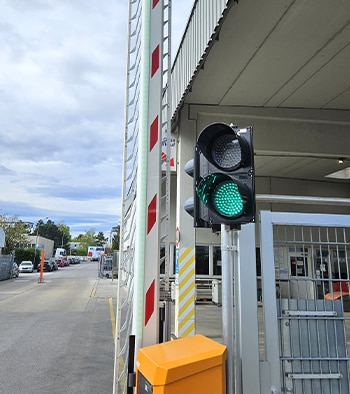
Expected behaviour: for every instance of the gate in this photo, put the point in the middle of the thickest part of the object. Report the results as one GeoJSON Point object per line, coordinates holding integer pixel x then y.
{"type": "Point", "coordinates": [6, 266]}
{"type": "Point", "coordinates": [306, 302]}
{"type": "Point", "coordinates": [146, 184]}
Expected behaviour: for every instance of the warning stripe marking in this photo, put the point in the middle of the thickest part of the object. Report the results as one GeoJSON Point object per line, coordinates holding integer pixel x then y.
{"type": "Point", "coordinates": [183, 309]}
{"type": "Point", "coordinates": [155, 61]}
{"type": "Point", "coordinates": [190, 330]}
{"type": "Point", "coordinates": [153, 135]}
{"type": "Point", "coordinates": [184, 253]}
{"type": "Point", "coordinates": [187, 290]}
{"type": "Point", "coordinates": [151, 214]}
{"type": "Point", "coordinates": [187, 277]}
{"type": "Point", "coordinates": [149, 309]}
{"type": "Point", "coordinates": [187, 328]}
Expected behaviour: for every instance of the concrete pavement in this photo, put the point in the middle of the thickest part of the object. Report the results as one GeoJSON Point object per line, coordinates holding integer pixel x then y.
{"type": "Point", "coordinates": [208, 315]}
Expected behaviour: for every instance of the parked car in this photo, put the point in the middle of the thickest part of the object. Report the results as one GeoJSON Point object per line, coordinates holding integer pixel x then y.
{"type": "Point", "coordinates": [73, 260]}
{"type": "Point", "coordinates": [53, 263]}
{"type": "Point", "coordinates": [47, 266]}
{"type": "Point", "coordinates": [59, 263]}
{"type": "Point", "coordinates": [15, 270]}
{"type": "Point", "coordinates": [26, 266]}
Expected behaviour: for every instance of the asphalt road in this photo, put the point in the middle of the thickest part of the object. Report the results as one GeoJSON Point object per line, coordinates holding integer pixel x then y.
{"type": "Point", "coordinates": [56, 336]}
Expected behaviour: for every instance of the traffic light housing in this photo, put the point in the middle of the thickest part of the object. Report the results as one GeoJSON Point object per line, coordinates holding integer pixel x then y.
{"type": "Point", "coordinates": [189, 204]}
{"type": "Point", "coordinates": [224, 180]}
{"type": "Point", "coordinates": [193, 205]}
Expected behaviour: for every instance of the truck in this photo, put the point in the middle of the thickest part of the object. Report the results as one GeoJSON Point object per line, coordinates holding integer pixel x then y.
{"type": "Point", "coordinates": [94, 252]}
{"type": "Point", "coordinates": [60, 253]}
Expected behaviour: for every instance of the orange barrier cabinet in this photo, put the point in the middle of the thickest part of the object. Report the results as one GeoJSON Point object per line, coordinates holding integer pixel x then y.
{"type": "Point", "coordinates": [192, 365]}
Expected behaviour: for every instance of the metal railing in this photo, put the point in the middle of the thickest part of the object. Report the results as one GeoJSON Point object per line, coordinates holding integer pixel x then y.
{"type": "Point", "coordinates": [6, 266]}
{"type": "Point", "coordinates": [306, 301]}
{"type": "Point", "coordinates": [129, 190]}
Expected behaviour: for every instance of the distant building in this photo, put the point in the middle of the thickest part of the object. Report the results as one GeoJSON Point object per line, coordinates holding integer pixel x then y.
{"type": "Point", "coordinates": [41, 243]}
{"type": "Point", "coordinates": [73, 247]}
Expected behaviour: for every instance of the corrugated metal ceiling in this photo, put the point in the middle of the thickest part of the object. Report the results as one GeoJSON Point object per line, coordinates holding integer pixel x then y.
{"type": "Point", "coordinates": [282, 55]}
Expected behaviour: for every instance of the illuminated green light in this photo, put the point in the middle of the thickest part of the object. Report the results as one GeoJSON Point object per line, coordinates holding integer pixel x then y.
{"type": "Point", "coordinates": [205, 188]}
{"type": "Point", "coordinates": [227, 199]}
{"type": "Point", "coordinates": [220, 193]}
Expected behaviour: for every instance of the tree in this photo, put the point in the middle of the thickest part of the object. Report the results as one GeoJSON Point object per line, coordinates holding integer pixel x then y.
{"type": "Point", "coordinates": [116, 238]}
{"type": "Point", "coordinates": [86, 240]}
{"type": "Point", "coordinates": [60, 233]}
{"type": "Point", "coordinates": [65, 231]}
{"type": "Point", "coordinates": [101, 239]}
{"type": "Point", "coordinates": [16, 232]}
{"type": "Point", "coordinates": [31, 254]}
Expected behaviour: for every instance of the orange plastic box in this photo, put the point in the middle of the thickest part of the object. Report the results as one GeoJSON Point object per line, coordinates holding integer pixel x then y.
{"type": "Point", "coordinates": [193, 365]}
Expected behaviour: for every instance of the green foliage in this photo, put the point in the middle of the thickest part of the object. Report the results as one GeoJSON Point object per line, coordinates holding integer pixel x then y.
{"type": "Point", "coordinates": [65, 231]}
{"type": "Point", "coordinates": [101, 239]}
{"type": "Point", "coordinates": [86, 240]}
{"type": "Point", "coordinates": [31, 254]}
{"type": "Point", "coordinates": [15, 231]}
{"type": "Point", "coordinates": [81, 251]}
{"type": "Point", "coordinates": [59, 233]}
{"type": "Point", "coordinates": [116, 239]}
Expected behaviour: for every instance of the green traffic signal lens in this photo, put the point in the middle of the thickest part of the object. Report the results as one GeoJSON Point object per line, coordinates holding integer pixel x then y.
{"type": "Point", "coordinates": [227, 199]}
{"type": "Point", "coordinates": [205, 188]}
{"type": "Point", "coordinates": [220, 193]}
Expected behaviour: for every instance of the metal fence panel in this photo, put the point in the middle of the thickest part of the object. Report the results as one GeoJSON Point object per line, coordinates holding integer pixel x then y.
{"type": "Point", "coordinates": [6, 263]}
{"type": "Point", "coordinates": [305, 264]}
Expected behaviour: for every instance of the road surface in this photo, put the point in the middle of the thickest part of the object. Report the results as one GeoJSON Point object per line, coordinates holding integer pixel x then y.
{"type": "Point", "coordinates": [56, 336]}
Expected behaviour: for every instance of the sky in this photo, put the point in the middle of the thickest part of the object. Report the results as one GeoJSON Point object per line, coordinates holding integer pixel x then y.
{"type": "Point", "coordinates": [62, 89]}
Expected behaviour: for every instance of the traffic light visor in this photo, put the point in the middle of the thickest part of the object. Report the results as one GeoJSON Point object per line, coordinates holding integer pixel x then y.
{"type": "Point", "coordinates": [223, 146]}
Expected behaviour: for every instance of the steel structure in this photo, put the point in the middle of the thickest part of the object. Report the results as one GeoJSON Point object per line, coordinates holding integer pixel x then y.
{"type": "Point", "coordinates": [146, 188]}
{"type": "Point", "coordinates": [305, 281]}
{"type": "Point", "coordinates": [6, 265]}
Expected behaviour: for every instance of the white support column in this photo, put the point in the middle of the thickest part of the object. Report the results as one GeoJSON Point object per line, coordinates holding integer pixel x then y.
{"type": "Point", "coordinates": [147, 245]}
{"type": "Point", "coordinates": [185, 289]}
{"type": "Point", "coordinates": [272, 351]}
{"type": "Point", "coordinates": [248, 311]}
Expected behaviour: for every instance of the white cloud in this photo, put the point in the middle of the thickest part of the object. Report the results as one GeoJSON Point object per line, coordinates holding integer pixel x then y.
{"type": "Point", "coordinates": [62, 89]}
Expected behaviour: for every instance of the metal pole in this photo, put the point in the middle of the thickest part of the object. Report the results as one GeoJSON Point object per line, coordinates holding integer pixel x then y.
{"type": "Point", "coordinates": [42, 267]}
{"type": "Point", "coordinates": [167, 325]}
{"type": "Point", "coordinates": [36, 243]}
{"type": "Point", "coordinates": [227, 261]}
{"type": "Point", "coordinates": [237, 313]}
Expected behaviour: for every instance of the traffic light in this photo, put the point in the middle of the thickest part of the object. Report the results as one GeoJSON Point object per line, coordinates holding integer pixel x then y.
{"type": "Point", "coordinates": [193, 205]}
{"type": "Point", "coordinates": [189, 204]}
{"type": "Point", "coordinates": [224, 180]}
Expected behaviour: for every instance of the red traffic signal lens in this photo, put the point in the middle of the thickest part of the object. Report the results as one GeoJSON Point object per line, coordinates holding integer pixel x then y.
{"type": "Point", "coordinates": [226, 152]}
{"type": "Point", "coordinates": [223, 146]}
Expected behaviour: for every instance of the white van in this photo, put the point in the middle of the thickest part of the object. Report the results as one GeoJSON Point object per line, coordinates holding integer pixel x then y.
{"type": "Point", "coordinates": [60, 253]}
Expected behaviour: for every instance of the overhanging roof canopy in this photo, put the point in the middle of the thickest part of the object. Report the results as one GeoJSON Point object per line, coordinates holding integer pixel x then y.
{"type": "Point", "coordinates": [275, 59]}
